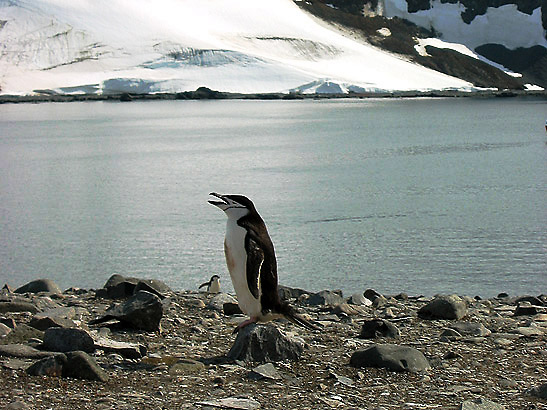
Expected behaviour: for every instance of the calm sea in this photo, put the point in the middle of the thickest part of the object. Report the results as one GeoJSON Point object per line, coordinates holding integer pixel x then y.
{"type": "Point", "coordinates": [421, 196]}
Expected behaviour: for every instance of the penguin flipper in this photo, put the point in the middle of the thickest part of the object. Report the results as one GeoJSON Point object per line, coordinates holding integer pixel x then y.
{"type": "Point", "coordinates": [204, 284]}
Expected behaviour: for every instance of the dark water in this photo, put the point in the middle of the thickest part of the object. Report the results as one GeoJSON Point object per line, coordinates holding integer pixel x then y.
{"type": "Point", "coordinates": [421, 196]}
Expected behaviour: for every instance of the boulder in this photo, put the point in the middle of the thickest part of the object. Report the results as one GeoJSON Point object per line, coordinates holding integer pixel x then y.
{"type": "Point", "coordinates": [80, 365]}
{"type": "Point", "coordinates": [372, 329]}
{"type": "Point", "coordinates": [218, 301]}
{"type": "Point", "coordinates": [230, 309]}
{"type": "Point", "coordinates": [142, 311]}
{"type": "Point", "coordinates": [43, 323]}
{"type": "Point", "coordinates": [40, 285]}
{"type": "Point", "coordinates": [264, 371]}
{"type": "Point", "coordinates": [449, 307]}
{"type": "Point", "coordinates": [371, 294]}
{"type": "Point", "coordinates": [49, 366]}
{"type": "Point", "coordinates": [121, 287]}
{"type": "Point", "coordinates": [325, 297]}
{"type": "Point", "coordinates": [265, 343]}
{"type": "Point", "coordinates": [286, 293]}
{"type": "Point", "coordinates": [58, 339]}
{"type": "Point", "coordinates": [391, 357]}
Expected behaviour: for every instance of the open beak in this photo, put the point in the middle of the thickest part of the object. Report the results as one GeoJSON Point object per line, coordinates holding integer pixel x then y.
{"type": "Point", "coordinates": [222, 204]}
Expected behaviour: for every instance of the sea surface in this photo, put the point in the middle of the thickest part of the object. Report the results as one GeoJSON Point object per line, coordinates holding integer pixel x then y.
{"type": "Point", "coordinates": [421, 196]}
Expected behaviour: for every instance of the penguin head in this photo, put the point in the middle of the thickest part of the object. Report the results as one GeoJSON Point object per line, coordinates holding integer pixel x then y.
{"type": "Point", "coordinates": [235, 206]}
{"type": "Point", "coordinates": [214, 278]}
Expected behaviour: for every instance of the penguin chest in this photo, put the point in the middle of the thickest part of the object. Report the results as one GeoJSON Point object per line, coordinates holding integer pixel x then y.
{"type": "Point", "coordinates": [236, 260]}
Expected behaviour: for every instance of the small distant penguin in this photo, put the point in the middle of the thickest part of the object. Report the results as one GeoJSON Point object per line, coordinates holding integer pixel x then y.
{"type": "Point", "coordinates": [213, 286]}
{"type": "Point", "coordinates": [252, 264]}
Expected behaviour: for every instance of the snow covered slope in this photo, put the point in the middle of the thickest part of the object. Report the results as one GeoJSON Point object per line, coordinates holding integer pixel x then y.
{"type": "Point", "coordinates": [252, 46]}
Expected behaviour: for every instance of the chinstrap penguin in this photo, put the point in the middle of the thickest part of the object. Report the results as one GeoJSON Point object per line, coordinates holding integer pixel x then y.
{"type": "Point", "coordinates": [213, 286]}
{"type": "Point", "coordinates": [251, 261]}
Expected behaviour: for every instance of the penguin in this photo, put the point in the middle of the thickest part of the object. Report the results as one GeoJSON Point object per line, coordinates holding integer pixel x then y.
{"type": "Point", "coordinates": [213, 286]}
{"type": "Point", "coordinates": [251, 261]}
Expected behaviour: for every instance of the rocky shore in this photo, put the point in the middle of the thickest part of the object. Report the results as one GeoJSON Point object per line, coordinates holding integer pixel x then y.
{"type": "Point", "coordinates": [204, 93]}
{"type": "Point", "coordinates": [135, 343]}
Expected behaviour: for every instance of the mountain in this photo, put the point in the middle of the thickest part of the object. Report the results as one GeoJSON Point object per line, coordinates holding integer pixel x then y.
{"type": "Point", "coordinates": [244, 46]}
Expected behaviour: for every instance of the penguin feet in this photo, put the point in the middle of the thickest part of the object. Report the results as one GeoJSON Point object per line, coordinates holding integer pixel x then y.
{"type": "Point", "coordinates": [247, 322]}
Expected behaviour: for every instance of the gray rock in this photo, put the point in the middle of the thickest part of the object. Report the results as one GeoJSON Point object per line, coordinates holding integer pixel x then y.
{"type": "Point", "coordinates": [49, 366]}
{"type": "Point", "coordinates": [58, 339]}
{"type": "Point", "coordinates": [391, 357]}
{"type": "Point", "coordinates": [186, 366]}
{"type": "Point", "coordinates": [142, 311]}
{"type": "Point", "coordinates": [325, 297]}
{"type": "Point", "coordinates": [286, 293]}
{"type": "Point", "coordinates": [21, 350]}
{"type": "Point", "coordinates": [359, 299]}
{"type": "Point", "coordinates": [8, 321]}
{"type": "Point", "coordinates": [265, 371]}
{"type": "Point", "coordinates": [239, 403]}
{"type": "Point", "coordinates": [80, 365]}
{"type": "Point", "coordinates": [22, 334]}
{"type": "Point", "coordinates": [125, 349]}
{"type": "Point", "coordinates": [4, 330]}
{"type": "Point", "coordinates": [371, 294]}
{"type": "Point", "coordinates": [450, 335]}
{"type": "Point", "coordinates": [40, 285]}
{"type": "Point", "coordinates": [372, 329]}
{"type": "Point", "coordinates": [470, 329]}
{"type": "Point", "coordinates": [121, 287]}
{"type": "Point", "coordinates": [43, 323]}
{"type": "Point", "coordinates": [265, 343]}
{"type": "Point", "coordinates": [217, 302]}
{"type": "Point", "coordinates": [17, 306]}
{"type": "Point", "coordinates": [480, 404]}
{"type": "Point", "coordinates": [531, 299]}
{"type": "Point", "coordinates": [539, 391]}
{"type": "Point", "coordinates": [444, 307]}
{"type": "Point", "coordinates": [17, 405]}
{"type": "Point", "coordinates": [525, 310]}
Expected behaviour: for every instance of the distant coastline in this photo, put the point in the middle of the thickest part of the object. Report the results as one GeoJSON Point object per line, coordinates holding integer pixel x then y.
{"type": "Point", "coordinates": [204, 93]}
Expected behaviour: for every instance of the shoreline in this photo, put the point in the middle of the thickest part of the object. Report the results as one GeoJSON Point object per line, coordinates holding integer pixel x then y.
{"type": "Point", "coordinates": [204, 93]}
{"type": "Point", "coordinates": [489, 353]}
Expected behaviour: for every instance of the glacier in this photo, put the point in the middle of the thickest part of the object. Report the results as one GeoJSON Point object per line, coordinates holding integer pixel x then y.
{"type": "Point", "coordinates": [241, 46]}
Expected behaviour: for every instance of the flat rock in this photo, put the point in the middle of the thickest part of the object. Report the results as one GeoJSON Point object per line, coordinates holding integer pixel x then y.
{"type": "Point", "coordinates": [22, 334]}
{"type": "Point", "coordinates": [25, 351]}
{"type": "Point", "coordinates": [58, 339]}
{"type": "Point", "coordinates": [372, 329]}
{"type": "Point", "coordinates": [40, 285]}
{"type": "Point", "coordinates": [480, 404]}
{"type": "Point", "coordinates": [142, 311]}
{"type": "Point", "coordinates": [444, 307]}
{"type": "Point", "coordinates": [265, 371]}
{"type": "Point", "coordinates": [265, 343]}
{"type": "Point", "coordinates": [186, 366]}
{"type": "Point", "coordinates": [359, 299]}
{"type": "Point", "coordinates": [236, 403]}
{"type": "Point", "coordinates": [121, 287]}
{"type": "Point", "coordinates": [4, 330]}
{"type": "Point", "coordinates": [470, 329]}
{"type": "Point", "coordinates": [43, 323]}
{"type": "Point", "coordinates": [125, 349]}
{"type": "Point", "coordinates": [391, 357]}
{"type": "Point", "coordinates": [17, 306]}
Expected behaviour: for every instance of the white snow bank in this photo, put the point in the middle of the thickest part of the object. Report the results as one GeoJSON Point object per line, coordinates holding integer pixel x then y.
{"type": "Point", "coordinates": [180, 45]}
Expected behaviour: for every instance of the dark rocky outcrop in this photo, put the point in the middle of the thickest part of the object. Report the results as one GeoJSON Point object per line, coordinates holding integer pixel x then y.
{"type": "Point", "coordinates": [76, 364]}
{"type": "Point", "coordinates": [121, 287]}
{"type": "Point", "coordinates": [142, 311]}
{"type": "Point", "coordinates": [58, 339]}
{"type": "Point", "coordinates": [391, 357]}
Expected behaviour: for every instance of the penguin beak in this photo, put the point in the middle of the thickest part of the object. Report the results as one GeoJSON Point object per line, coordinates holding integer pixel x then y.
{"type": "Point", "coordinates": [224, 202]}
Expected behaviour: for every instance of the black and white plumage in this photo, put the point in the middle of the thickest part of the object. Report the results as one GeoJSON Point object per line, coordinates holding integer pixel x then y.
{"type": "Point", "coordinates": [252, 264]}
{"type": "Point", "coordinates": [213, 286]}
